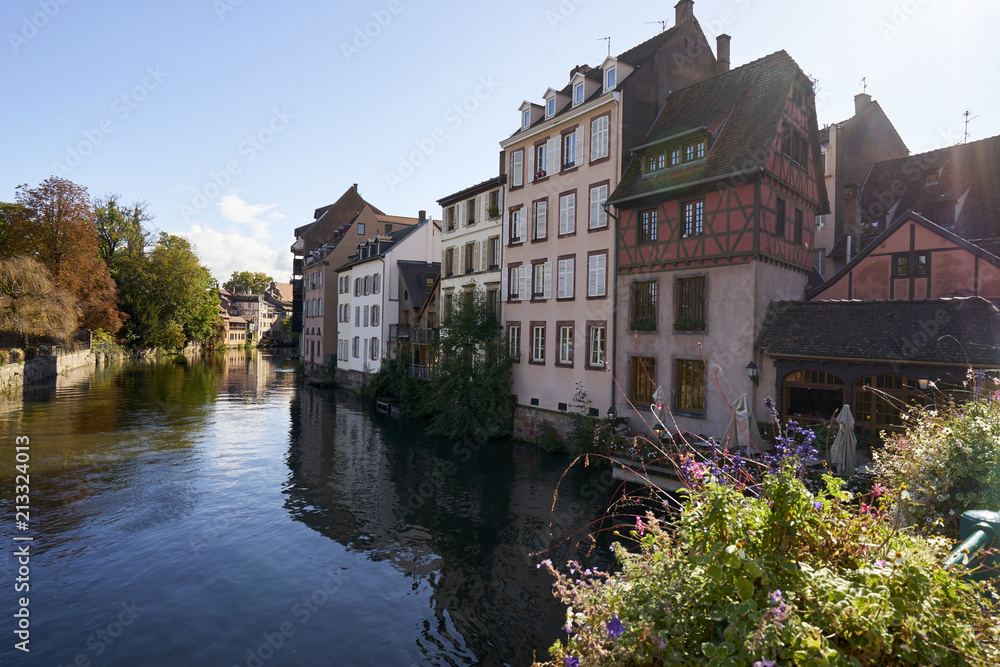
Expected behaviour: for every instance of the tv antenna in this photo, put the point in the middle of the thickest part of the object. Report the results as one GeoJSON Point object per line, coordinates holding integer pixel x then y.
{"type": "Point", "coordinates": [967, 119]}
{"type": "Point", "coordinates": [609, 44]}
{"type": "Point", "coordinates": [864, 84]}
{"type": "Point", "coordinates": [663, 24]}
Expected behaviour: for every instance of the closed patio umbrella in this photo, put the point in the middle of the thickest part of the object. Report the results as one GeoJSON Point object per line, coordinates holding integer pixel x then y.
{"type": "Point", "coordinates": [842, 453]}
{"type": "Point", "coordinates": [742, 431]}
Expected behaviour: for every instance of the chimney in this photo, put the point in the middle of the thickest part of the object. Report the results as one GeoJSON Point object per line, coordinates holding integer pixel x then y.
{"type": "Point", "coordinates": [422, 216]}
{"type": "Point", "coordinates": [861, 102]}
{"type": "Point", "coordinates": [684, 11]}
{"type": "Point", "coordinates": [722, 53]}
{"type": "Point", "coordinates": [852, 226]}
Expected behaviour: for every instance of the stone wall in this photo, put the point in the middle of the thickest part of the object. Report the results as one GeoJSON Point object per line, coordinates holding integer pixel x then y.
{"type": "Point", "coordinates": [529, 423]}
{"type": "Point", "coordinates": [41, 369]}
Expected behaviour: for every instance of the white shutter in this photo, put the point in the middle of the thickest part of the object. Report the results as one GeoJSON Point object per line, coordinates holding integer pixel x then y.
{"type": "Point", "coordinates": [594, 139]}
{"type": "Point", "coordinates": [517, 169]}
{"type": "Point", "coordinates": [596, 275]}
{"type": "Point", "coordinates": [565, 286]}
{"type": "Point", "coordinates": [475, 256]}
{"type": "Point", "coordinates": [579, 146]}
{"type": "Point", "coordinates": [505, 233]}
{"type": "Point", "coordinates": [503, 284]}
{"type": "Point", "coordinates": [542, 214]}
{"type": "Point", "coordinates": [522, 225]}
{"type": "Point", "coordinates": [547, 280]}
{"type": "Point", "coordinates": [571, 212]}
{"type": "Point", "coordinates": [554, 157]}
{"type": "Point", "coordinates": [595, 207]}
{"type": "Point", "coordinates": [531, 163]}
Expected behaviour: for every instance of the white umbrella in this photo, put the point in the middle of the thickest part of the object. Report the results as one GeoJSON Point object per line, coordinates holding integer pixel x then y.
{"type": "Point", "coordinates": [842, 452]}
{"type": "Point", "coordinates": [742, 431]}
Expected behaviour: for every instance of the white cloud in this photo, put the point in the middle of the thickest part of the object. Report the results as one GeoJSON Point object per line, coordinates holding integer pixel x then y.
{"type": "Point", "coordinates": [231, 250]}
{"type": "Point", "coordinates": [236, 209]}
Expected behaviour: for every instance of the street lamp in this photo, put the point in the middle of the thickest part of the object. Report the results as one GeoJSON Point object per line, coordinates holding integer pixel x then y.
{"type": "Point", "coordinates": [752, 373]}
{"type": "Point", "coordinates": [923, 381]}
{"type": "Point", "coordinates": [611, 413]}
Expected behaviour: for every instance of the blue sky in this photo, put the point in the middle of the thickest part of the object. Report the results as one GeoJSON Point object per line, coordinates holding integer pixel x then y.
{"type": "Point", "coordinates": [236, 119]}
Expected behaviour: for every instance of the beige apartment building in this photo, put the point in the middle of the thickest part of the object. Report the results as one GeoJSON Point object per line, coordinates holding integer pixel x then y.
{"type": "Point", "coordinates": [565, 158]}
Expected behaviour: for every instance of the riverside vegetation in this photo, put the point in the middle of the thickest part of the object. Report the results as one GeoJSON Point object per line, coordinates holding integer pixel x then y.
{"type": "Point", "coordinates": [760, 568]}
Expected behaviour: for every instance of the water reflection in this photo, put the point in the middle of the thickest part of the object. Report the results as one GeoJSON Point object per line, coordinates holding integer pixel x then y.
{"type": "Point", "coordinates": [462, 520]}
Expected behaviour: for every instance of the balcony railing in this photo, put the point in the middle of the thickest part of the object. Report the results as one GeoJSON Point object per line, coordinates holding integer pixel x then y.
{"type": "Point", "coordinates": [420, 372]}
{"type": "Point", "coordinates": [423, 336]}
{"type": "Point", "coordinates": [399, 331]}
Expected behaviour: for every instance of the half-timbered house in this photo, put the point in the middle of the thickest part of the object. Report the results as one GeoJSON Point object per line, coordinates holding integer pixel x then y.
{"type": "Point", "coordinates": [716, 218]}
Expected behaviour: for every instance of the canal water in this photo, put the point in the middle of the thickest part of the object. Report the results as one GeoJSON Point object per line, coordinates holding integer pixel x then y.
{"type": "Point", "coordinates": [214, 513]}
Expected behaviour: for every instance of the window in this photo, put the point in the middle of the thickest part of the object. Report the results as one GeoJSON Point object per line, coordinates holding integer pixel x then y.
{"type": "Point", "coordinates": [493, 302]}
{"type": "Point", "coordinates": [610, 76]}
{"type": "Point", "coordinates": [597, 275]}
{"type": "Point", "coordinates": [448, 304]}
{"type": "Point", "coordinates": [643, 380]}
{"type": "Point", "coordinates": [494, 204]}
{"type": "Point", "coordinates": [905, 264]}
{"type": "Point", "coordinates": [514, 341]}
{"type": "Point", "coordinates": [368, 284]}
{"type": "Point", "coordinates": [365, 318]}
{"type": "Point", "coordinates": [819, 261]}
{"type": "Point", "coordinates": [374, 348]}
{"type": "Point", "coordinates": [517, 168]}
{"type": "Point", "coordinates": [356, 347]}
{"type": "Point", "coordinates": [644, 306]}
{"type": "Point", "coordinates": [565, 345]}
{"type": "Point", "coordinates": [598, 216]}
{"type": "Point", "coordinates": [357, 287]}
{"type": "Point", "coordinates": [599, 138]}
{"type": "Point", "coordinates": [470, 211]}
{"type": "Point", "coordinates": [569, 150]}
{"type": "Point", "coordinates": [494, 253]}
{"type": "Point", "coordinates": [798, 226]}
{"type": "Point", "coordinates": [526, 118]}
{"type": "Point", "coordinates": [538, 343]}
{"type": "Point", "coordinates": [357, 316]}
{"type": "Point", "coordinates": [517, 226]}
{"type": "Point", "coordinates": [656, 162]}
{"type": "Point", "coordinates": [794, 145]}
{"type": "Point", "coordinates": [361, 229]}
{"type": "Point", "coordinates": [449, 261]}
{"type": "Point", "coordinates": [779, 221]}
{"type": "Point", "coordinates": [578, 94]}
{"type": "Point", "coordinates": [690, 390]}
{"type": "Point", "coordinates": [595, 353]}
{"type": "Point", "coordinates": [376, 283]}
{"type": "Point", "coordinates": [564, 289]}
{"type": "Point", "coordinates": [542, 282]}
{"type": "Point", "coordinates": [694, 151]}
{"type": "Point", "coordinates": [647, 226]}
{"type": "Point", "coordinates": [567, 213]}
{"type": "Point", "coordinates": [449, 219]}
{"type": "Point", "coordinates": [690, 313]}
{"type": "Point", "coordinates": [550, 107]}
{"type": "Point", "coordinates": [342, 350]}
{"type": "Point", "coordinates": [539, 230]}
{"type": "Point", "coordinates": [675, 156]}
{"type": "Point", "coordinates": [470, 256]}
{"type": "Point", "coordinates": [374, 316]}
{"type": "Point", "coordinates": [694, 218]}
{"type": "Point", "coordinates": [541, 154]}
{"type": "Point", "coordinates": [320, 278]}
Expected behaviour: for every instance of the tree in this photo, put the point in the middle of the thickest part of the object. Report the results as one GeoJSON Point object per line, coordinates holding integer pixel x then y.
{"type": "Point", "coordinates": [471, 390]}
{"type": "Point", "coordinates": [30, 304]}
{"type": "Point", "coordinates": [55, 225]}
{"type": "Point", "coordinates": [121, 231]}
{"type": "Point", "coordinates": [245, 282]}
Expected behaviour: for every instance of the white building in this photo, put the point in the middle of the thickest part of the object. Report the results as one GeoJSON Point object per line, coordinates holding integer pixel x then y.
{"type": "Point", "coordinates": [368, 288]}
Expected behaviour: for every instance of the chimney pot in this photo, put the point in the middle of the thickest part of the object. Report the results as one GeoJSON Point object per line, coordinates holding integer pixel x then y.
{"type": "Point", "coordinates": [423, 216]}
{"type": "Point", "coordinates": [861, 102]}
{"type": "Point", "coordinates": [683, 10]}
{"type": "Point", "coordinates": [722, 51]}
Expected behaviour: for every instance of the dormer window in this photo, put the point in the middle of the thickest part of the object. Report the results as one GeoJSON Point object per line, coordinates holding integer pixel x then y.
{"type": "Point", "coordinates": [675, 156]}
{"type": "Point", "coordinates": [694, 151]}
{"type": "Point", "coordinates": [609, 78]}
{"type": "Point", "coordinates": [578, 94]}
{"type": "Point", "coordinates": [550, 108]}
{"type": "Point", "coordinates": [655, 162]}
{"type": "Point", "coordinates": [526, 119]}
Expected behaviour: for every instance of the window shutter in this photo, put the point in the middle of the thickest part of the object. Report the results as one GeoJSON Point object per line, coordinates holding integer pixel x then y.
{"type": "Point", "coordinates": [517, 167]}
{"type": "Point", "coordinates": [595, 207]}
{"type": "Point", "coordinates": [531, 163]}
{"type": "Point", "coordinates": [522, 226]}
{"type": "Point", "coordinates": [579, 145]}
{"type": "Point", "coordinates": [554, 157]}
{"type": "Point", "coordinates": [503, 285]}
{"type": "Point", "coordinates": [461, 259]}
{"type": "Point", "coordinates": [505, 234]}
{"type": "Point", "coordinates": [475, 255]}
{"type": "Point", "coordinates": [541, 223]}
{"type": "Point", "coordinates": [594, 139]}
{"type": "Point", "coordinates": [547, 280]}
{"type": "Point", "coordinates": [571, 212]}
{"type": "Point", "coordinates": [522, 280]}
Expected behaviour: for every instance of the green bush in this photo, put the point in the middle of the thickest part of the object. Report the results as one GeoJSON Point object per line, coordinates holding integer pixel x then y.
{"type": "Point", "coordinates": [15, 354]}
{"type": "Point", "coordinates": [946, 462]}
{"type": "Point", "coordinates": [548, 441]}
{"type": "Point", "coordinates": [4, 357]}
{"type": "Point", "coordinates": [784, 577]}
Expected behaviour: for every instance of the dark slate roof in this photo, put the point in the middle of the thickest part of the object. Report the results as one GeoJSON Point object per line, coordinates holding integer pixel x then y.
{"type": "Point", "coordinates": [396, 236]}
{"type": "Point", "coordinates": [972, 168]}
{"type": "Point", "coordinates": [347, 206]}
{"type": "Point", "coordinates": [640, 53]}
{"type": "Point", "coordinates": [959, 331]}
{"type": "Point", "coordinates": [461, 195]}
{"type": "Point", "coordinates": [415, 275]}
{"type": "Point", "coordinates": [743, 107]}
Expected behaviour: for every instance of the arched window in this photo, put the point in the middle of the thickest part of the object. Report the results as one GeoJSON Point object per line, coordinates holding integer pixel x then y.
{"type": "Point", "coordinates": [880, 400]}
{"type": "Point", "coordinates": [811, 396]}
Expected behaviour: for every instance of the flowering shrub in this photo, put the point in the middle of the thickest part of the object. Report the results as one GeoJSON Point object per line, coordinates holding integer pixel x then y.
{"type": "Point", "coordinates": [4, 357]}
{"type": "Point", "coordinates": [947, 461]}
{"type": "Point", "coordinates": [786, 577]}
{"type": "Point", "coordinates": [15, 354]}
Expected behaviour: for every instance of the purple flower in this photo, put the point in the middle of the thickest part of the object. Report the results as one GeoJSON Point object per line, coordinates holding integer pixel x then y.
{"type": "Point", "coordinates": [818, 505]}
{"type": "Point", "coordinates": [573, 661]}
{"type": "Point", "coordinates": [639, 526]}
{"type": "Point", "coordinates": [775, 596]}
{"type": "Point", "coordinates": [615, 627]}
{"type": "Point", "coordinates": [764, 662]}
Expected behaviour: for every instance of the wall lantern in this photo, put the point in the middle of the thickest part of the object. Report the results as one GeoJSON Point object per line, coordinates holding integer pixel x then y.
{"type": "Point", "coordinates": [611, 413]}
{"type": "Point", "coordinates": [923, 381]}
{"type": "Point", "coordinates": [752, 373]}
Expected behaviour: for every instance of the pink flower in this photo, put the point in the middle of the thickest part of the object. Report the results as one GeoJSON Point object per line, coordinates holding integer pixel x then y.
{"type": "Point", "coordinates": [639, 525]}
